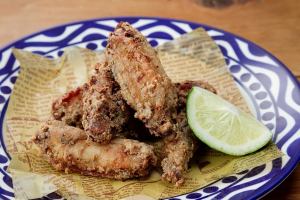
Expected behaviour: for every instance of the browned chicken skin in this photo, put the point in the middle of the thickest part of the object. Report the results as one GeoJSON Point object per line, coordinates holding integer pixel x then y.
{"type": "Point", "coordinates": [67, 149]}
{"type": "Point", "coordinates": [132, 73]}
{"type": "Point", "coordinates": [175, 150]}
{"type": "Point", "coordinates": [183, 89]}
{"type": "Point", "coordinates": [143, 82]}
{"type": "Point", "coordinates": [104, 110]}
{"type": "Point", "coordinates": [148, 90]}
{"type": "Point", "coordinates": [68, 108]}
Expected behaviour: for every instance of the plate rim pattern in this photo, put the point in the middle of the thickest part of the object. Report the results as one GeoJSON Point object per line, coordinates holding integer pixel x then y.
{"type": "Point", "coordinates": [265, 188]}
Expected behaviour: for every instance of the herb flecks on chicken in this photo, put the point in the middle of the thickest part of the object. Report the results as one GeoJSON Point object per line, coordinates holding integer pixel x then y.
{"type": "Point", "coordinates": [67, 149]}
{"type": "Point", "coordinates": [104, 110]}
{"type": "Point", "coordinates": [143, 82]}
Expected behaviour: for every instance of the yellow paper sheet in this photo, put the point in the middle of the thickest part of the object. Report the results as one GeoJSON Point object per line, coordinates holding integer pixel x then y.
{"type": "Point", "coordinates": [193, 56]}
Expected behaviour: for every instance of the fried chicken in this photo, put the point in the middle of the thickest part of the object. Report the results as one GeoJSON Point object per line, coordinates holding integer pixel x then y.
{"type": "Point", "coordinates": [68, 108]}
{"type": "Point", "coordinates": [133, 75]}
{"type": "Point", "coordinates": [67, 149]}
{"type": "Point", "coordinates": [143, 82]}
{"type": "Point", "coordinates": [104, 110]}
{"type": "Point", "coordinates": [175, 150]}
{"type": "Point", "coordinates": [183, 89]}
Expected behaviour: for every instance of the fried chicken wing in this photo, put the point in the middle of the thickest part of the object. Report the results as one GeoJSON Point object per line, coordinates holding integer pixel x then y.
{"type": "Point", "coordinates": [104, 110]}
{"type": "Point", "coordinates": [67, 149]}
{"type": "Point", "coordinates": [175, 150]}
{"type": "Point", "coordinates": [131, 75]}
{"type": "Point", "coordinates": [183, 89]}
{"type": "Point", "coordinates": [68, 108]}
{"type": "Point", "coordinates": [143, 82]}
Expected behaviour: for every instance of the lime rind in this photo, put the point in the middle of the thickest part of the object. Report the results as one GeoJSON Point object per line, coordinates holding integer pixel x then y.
{"type": "Point", "coordinates": [222, 126]}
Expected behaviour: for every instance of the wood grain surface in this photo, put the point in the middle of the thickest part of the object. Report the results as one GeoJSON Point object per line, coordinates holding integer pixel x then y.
{"type": "Point", "coordinates": [273, 24]}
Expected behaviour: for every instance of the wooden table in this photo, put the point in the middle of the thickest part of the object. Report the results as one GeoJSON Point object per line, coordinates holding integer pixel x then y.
{"type": "Point", "coordinates": [274, 25]}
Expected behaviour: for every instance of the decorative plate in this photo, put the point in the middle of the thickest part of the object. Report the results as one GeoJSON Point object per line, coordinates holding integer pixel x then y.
{"type": "Point", "coordinates": [270, 89]}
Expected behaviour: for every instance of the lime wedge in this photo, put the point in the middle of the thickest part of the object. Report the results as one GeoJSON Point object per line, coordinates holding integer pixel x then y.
{"type": "Point", "coordinates": [222, 126]}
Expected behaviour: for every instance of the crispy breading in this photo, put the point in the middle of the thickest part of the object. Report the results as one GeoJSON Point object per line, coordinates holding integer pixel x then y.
{"type": "Point", "coordinates": [68, 108]}
{"type": "Point", "coordinates": [104, 110]}
{"type": "Point", "coordinates": [67, 149]}
{"type": "Point", "coordinates": [174, 151]}
{"type": "Point", "coordinates": [184, 87]}
{"type": "Point", "coordinates": [132, 74]}
{"type": "Point", "coordinates": [143, 82]}
{"type": "Point", "coordinates": [97, 107]}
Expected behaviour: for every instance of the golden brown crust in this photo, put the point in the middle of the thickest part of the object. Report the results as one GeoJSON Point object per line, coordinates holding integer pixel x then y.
{"type": "Point", "coordinates": [104, 110]}
{"type": "Point", "coordinates": [132, 73]}
{"type": "Point", "coordinates": [67, 149]}
{"type": "Point", "coordinates": [143, 82]}
{"type": "Point", "coordinates": [184, 87]}
{"type": "Point", "coordinates": [175, 150]}
{"type": "Point", "coordinates": [97, 107]}
{"type": "Point", "coordinates": [68, 108]}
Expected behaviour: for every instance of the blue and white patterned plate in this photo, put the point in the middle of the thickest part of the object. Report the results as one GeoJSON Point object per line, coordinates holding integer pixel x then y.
{"type": "Point", "coordinates": [271, 91]}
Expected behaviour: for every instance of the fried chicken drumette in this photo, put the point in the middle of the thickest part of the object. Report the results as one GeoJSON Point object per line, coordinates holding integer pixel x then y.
{"type": "Point", "coordinates": [97, 107]}
{"type": "Point", "coordinates": [175, 150]}
{"type": "Point", "coordinates": [143, 82]}
{"type": "Point", "coordinates": [67, 149]}
{"type": "Point", "coordinates": [104, 110]}
{"type": "Point", "coordinates": [132, 74]}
